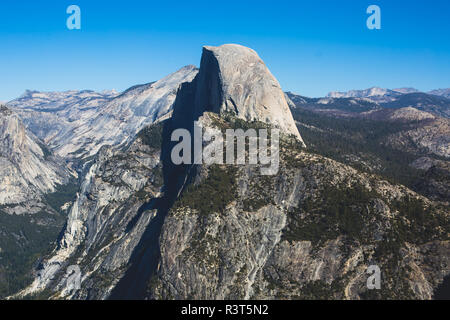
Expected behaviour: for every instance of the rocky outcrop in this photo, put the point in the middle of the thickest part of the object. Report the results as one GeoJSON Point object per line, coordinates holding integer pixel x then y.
{"type": "Point", "coordinates": [114, 216]}
{"type": "Point", "coordinates": [110, 223]}
{"type": "Point", "coordinates": [415, 131]}
{"type": "Point", "coordinates": [278, 236]}
{"type": "Point", "coordinates": [424, 131]}
{"type": "Point", "coordinates": [436, 105]}
{"type": "Point", "coordinates": [310, 231]}
{"type": "Point", "coordinates": [122, 118]}
{"type": "Point", "coordinates": [86, 121]}
{"type": "Point", "coordinates": [28, 170]}
{"type": "Point", "coordinates": [30, 219]}
{"type": "Point", "coordinates": [234, 79]}
{"type": "Point", "coordinates": [49, 115]}
{"type": "Point", "coordinates": [410, 114]}
{"type": "Point", "coordinates": [435, 179]}
{"type": "Point", "coordinates": [432, 135]}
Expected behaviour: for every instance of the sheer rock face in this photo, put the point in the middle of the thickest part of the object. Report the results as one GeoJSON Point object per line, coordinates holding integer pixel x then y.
{"type": "Point", "coordinates": [233, 78]}
{"type": "Point", "coordinates": [76, 124]}
{"type": "Point", "coordinates": [107, 224]}
{"type": "Point", "coordinates": [27, 169]}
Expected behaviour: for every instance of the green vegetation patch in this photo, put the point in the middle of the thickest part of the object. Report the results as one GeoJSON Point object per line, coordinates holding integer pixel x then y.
{"type": "Point", "coordinates": [337, 211]}
{"type": "Point", "coordinates": [45, 150]}
{"type": "Point", "coordinates": [152, 135]}
{"type": "Point", "coordinates": [212, 194]}
{"type": "Point", "coordinates": [260, 193]}
{"type": "Point", "coordinates": [419, 223]}
{"type": "Point", "coordinates": [62, 195]}
{"type": "Point", "coordinates": [22, 243]}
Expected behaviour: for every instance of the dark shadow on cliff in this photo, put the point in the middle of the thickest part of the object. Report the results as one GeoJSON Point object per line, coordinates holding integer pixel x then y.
{"type": "Point", "coordinates": [144, 262]}
{"type": "Point", "coordinates": [145, 258]}
{"type": "Point", "coordinates": [145, 207]}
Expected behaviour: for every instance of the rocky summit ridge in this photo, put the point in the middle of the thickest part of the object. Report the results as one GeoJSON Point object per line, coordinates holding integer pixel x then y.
{"type": "Point", "coordinates": [142, 227]}
{"type": "Point", "coordinates": [233, 78]}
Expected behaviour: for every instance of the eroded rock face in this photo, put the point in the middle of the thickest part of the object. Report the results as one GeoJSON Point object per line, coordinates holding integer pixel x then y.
{"type": "Point", "coordinates": [27, 168]}
{"type": "Point", "coordinates": [431, 135]}
{"type": "Point", "coordinates": [108, 224]}
{"type": "Point", "coordinates": [49, 115]}
{"type": "Point", "coordinates": [270, 241]}
{"type": "Point", "coordinates": [77, 124]}
{"type": "Point", "coordinates": [234, 79]}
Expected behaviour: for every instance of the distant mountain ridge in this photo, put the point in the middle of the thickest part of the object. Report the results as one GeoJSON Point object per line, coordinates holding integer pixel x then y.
{"type": "Point", "coordinates": [52, 114]}
{"type": "Point", "coordinates": [377, 91]}
{"type": "Point", "coordinates": [76, 124]}
{"type": "Point", "coordinates": [371, 92]}
{"type": "Point", "coordinates": [431, 114]}
{"type": "Point", "coordinates": [441, 92]}
{"type": "Point", "coordinates": [437, 105]}
{"type": "Point", "coordinates": [377, 98]}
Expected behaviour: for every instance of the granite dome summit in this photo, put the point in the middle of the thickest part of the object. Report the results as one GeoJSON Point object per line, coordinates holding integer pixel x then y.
{"type": "Point", "coordinates": [233, 78]}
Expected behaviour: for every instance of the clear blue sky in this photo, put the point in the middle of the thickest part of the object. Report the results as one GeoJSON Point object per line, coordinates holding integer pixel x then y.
{"type": "Point", "coordinates": [312, 47]}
